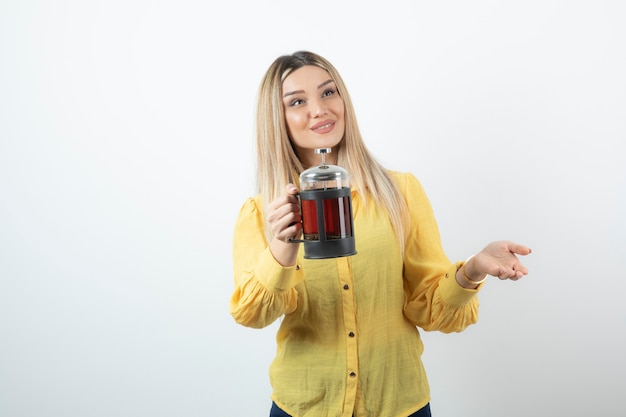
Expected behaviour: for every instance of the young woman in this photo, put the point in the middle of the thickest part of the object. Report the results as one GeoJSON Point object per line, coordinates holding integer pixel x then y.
{"type": "Point", "coordinates": [348, 343]}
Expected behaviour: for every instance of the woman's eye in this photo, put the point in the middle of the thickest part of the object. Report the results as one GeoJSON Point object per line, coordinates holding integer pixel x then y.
{"type": "Point", "coordinates": [296, 102]}
{"type": "Point", "coordinates": [329, 92]}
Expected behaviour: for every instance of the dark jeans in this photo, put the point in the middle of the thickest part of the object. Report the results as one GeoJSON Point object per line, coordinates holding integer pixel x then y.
{"type": "Point", "coordinates": [277, 412]}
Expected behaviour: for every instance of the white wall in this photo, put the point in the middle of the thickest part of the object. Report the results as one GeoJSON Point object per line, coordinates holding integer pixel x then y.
{"type": "Point", "coordinates": [126, 150]}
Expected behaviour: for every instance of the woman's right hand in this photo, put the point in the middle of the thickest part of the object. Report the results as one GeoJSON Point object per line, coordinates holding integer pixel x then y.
{"type": "Point", "coordinates": [285, 222]}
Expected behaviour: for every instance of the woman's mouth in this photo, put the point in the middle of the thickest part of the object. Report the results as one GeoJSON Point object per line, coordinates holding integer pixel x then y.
{"type": "Point", "coordinates": [323, 127]}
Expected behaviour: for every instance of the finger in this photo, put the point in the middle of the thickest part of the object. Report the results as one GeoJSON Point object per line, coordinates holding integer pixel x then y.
{"type": "Point", "coordinates": [287, 225]}
{"type": "Point", "coordinates": [291, 189]}
{"type": "Point", "coordinates": [504, 277]}
{"type": "Point", "coordinates": [521, 269]}
{"type": "Point", "coordinates": [503, 273]}
{"type": "Point", "coordinates": [293, 199]}
{"type": "Point", "coordinates": [292, 231]}
{"type": "Point", "coordinates": [281, 207]}
{"type": "Point", "coordinates": [513, 274]}
{"type": "Point", "coordinates": [519, 249]}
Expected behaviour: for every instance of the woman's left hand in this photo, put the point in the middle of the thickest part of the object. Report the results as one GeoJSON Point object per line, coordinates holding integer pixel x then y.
{"type": "Point", "coordinates": [499, 259]}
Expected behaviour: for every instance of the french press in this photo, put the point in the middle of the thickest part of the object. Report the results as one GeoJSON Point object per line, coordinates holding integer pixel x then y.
{"type": "Point", "coordinates": [326, 206]}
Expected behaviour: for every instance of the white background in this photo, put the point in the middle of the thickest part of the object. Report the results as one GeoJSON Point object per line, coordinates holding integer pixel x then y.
{"type": "Point", "coordinates": [126, 151]}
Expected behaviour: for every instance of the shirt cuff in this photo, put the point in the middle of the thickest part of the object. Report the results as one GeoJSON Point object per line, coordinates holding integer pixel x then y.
{"type": "Point", "coordinates": [275, 277]}
{"type": "Point", "coordinates": [451, 292]}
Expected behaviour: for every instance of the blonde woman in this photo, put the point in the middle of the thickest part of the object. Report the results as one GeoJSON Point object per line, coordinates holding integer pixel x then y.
{"type": "Point", "coordinates": [348, 342]}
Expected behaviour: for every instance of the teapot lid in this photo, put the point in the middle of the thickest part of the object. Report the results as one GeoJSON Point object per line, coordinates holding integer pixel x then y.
{"type": "Point", "coordinates": [323, 172]}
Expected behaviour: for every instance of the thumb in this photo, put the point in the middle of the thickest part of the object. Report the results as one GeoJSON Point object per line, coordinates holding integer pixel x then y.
{"type": "Point", "coordinates": [519, 249]}
{"type": "Point", "coordinates": [291, 189]}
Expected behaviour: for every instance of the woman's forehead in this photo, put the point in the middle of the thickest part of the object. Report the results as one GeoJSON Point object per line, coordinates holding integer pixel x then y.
{"type": "Point", "coordinates": [306, 77]}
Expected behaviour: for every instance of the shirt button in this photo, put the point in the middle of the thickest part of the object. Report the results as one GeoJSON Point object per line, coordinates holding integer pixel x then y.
{"type": "Point", "coordinates": [346, 287]}
{"type": "Point", "coordinates": [351, 334]}
{"type": "Point", "coordinates": [352, 374]}
{"type": "Point", "coordinates": [297, 267]}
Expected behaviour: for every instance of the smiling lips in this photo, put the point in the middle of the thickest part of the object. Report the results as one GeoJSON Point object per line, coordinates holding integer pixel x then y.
{"type": "Point", "coordinates": [323, 127]}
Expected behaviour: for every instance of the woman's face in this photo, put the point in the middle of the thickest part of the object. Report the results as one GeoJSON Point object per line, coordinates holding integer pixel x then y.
{"type": "Point", "coordinates": [314, 113]}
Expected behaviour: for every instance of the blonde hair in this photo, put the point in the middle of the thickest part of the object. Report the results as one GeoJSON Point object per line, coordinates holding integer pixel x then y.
{"type": "Point", "coordinates": [278, 164]}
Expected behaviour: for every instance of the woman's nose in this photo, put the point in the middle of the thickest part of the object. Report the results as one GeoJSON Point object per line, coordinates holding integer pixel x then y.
{"type": "Point", "coordinates": [318, 108]}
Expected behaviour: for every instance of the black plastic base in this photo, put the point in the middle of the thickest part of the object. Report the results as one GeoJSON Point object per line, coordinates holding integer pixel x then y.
{"type": "Point", "coordinates": [325, 249]}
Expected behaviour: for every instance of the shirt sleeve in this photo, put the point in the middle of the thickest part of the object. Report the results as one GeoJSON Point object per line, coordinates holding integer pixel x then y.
{"type": "Point", "coordinates": [434, 300]}
{"type": "Point", "coordinates": [264, 289]}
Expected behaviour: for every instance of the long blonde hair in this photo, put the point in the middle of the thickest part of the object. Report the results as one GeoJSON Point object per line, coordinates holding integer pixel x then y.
{"type": "Point", "coordinates": [278, 164]}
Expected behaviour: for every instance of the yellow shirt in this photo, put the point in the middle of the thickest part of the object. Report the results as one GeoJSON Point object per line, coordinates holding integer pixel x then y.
{"type": "Point", "coordinates": [348, 341]}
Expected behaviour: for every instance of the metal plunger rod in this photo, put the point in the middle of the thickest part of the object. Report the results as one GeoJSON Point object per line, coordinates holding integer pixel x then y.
{"type": "Point", "coordinates": [323, 152]}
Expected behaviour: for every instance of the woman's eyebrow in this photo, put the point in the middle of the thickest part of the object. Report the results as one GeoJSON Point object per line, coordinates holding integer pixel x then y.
{"type": "Point", "coordinates": [324, 83]}
{"type": "Point", "coordinates": [291, 93]}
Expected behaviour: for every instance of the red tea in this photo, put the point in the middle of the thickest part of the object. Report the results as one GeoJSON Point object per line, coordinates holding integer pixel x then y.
{"type": "Point", "coordinates": [337, 219]}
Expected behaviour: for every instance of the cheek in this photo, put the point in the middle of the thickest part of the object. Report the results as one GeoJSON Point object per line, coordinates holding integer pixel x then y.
{"type": "Point", "coordinates": [339, 109]}
{"type": "Point", "coordinates": [341, 117]}
{"type": "Point", "coordinates": [294, 120]}
{"type": "Point", "coordinates": [294, 127]}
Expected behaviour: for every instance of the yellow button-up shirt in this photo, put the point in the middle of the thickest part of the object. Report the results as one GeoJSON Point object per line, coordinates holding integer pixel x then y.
{"type": "Point", "coordinates": [349, 342]}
